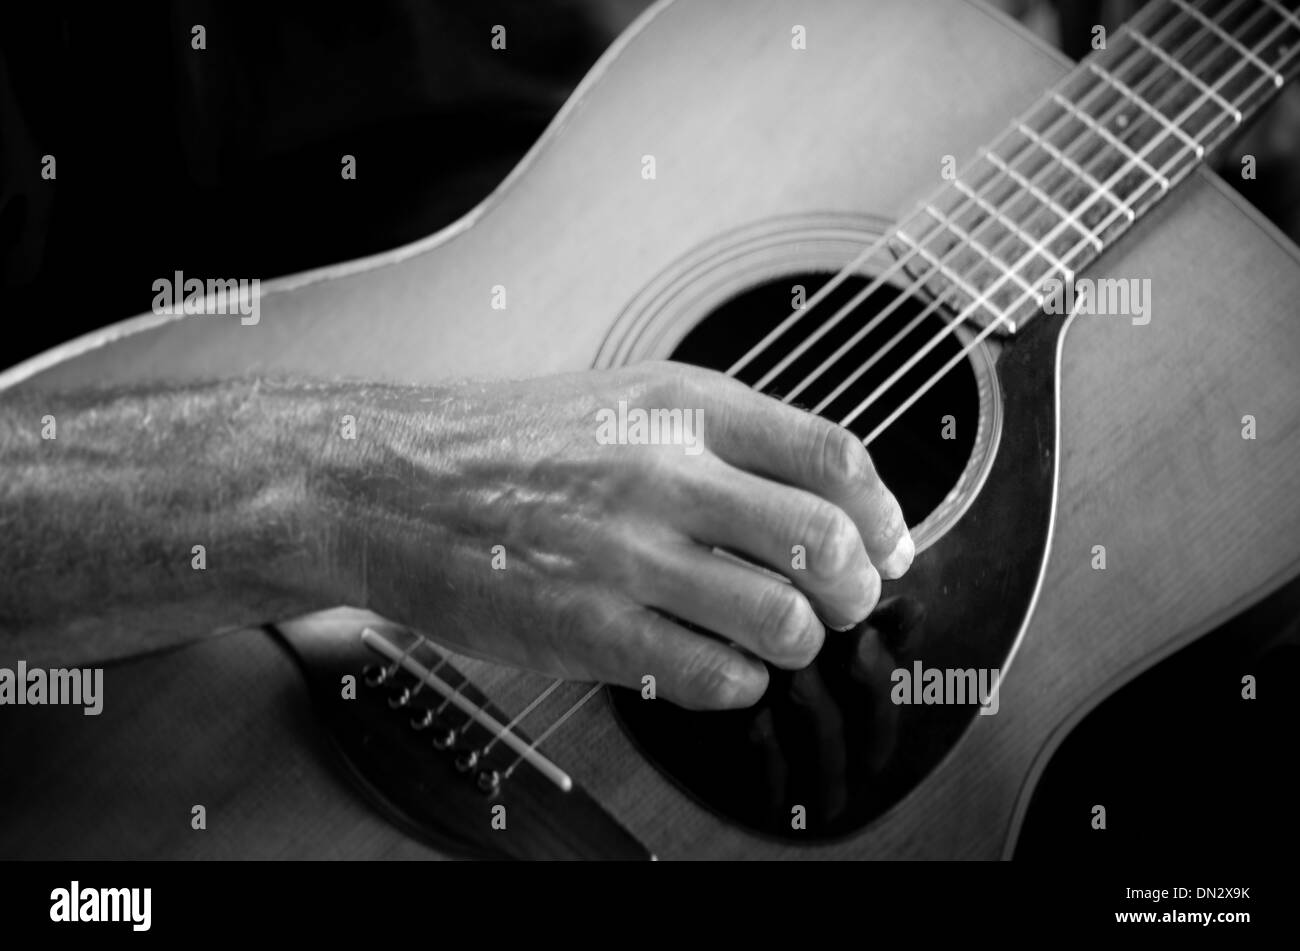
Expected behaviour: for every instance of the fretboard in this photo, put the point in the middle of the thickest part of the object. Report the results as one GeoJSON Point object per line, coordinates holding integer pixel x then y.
{"type": "Point", "coordinates": [1098, 150]}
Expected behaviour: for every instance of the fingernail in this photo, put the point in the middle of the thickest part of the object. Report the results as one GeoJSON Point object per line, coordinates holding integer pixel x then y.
{"type": "Point", "coordinates": [900, 559]}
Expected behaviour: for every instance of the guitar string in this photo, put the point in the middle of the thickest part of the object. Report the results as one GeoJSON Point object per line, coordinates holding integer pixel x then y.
{"type": "Point", "coordinates": [951, 328]}
{"type": "Point", "coordinates": [433, 670]}
{"type": "Point", "coordinates": [916, 285]}
{"type": "Point", "coordinates": [874, 247]}
{"type": "Point", "coordinates": [1096, 193]}
{"type": "Point", "coordinates": [944, 222]}
{"type": "Point", "coordinates": [1123, 170]}
{"type": "Point", "coordinates": [1011, 272]}
{"type": "Point", "coordinates": [519, 716]}
{"type": "Point", "coordinates": [552, 728]}
{"type": "Point", "coordinates": [1014, 233]}
{"type": "Point", "coordinates": [920, 211]}
{"type": "Point", "coordinates": [390, 670]}
{"type": "Point", "coordinates": [1086, 135]}
{"type": "Point", "coordinates": [496, 736]}
{"type": "Point", "coordinates": [956, 323]}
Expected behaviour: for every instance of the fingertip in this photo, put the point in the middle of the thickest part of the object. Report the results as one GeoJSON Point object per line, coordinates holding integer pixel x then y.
{"type": "Point", "coordinates": [895, 565]}
{"type": "Point", "coordinates": [736, 684]}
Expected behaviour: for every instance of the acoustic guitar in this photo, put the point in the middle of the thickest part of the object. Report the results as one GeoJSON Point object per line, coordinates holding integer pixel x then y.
{"type": "Point", "coordinates": [1011, 275]}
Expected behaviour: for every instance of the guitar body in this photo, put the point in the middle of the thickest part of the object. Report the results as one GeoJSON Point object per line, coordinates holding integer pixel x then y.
{"type": "Point", "coordinates": [768, 161]}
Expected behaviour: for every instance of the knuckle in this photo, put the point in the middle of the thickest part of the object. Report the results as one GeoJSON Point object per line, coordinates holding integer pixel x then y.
{"type": "Point", "coordinates": [836, 543]}
{"type": "Point", "coordinates": [620, 559]}
{"type": "Point", "coordinates": [787, 625]}
{"type": "Point", "coordinates": [843, 459]}
{"type": "Point", "coordinates": [893, 522]}
{"type": "Point", "coordinates": [716, 683]}
{"type": "Point", "coordinates": [885, 522]}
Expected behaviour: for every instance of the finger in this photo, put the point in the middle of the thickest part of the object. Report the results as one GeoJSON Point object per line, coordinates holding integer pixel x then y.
{"type": "Point", "coordinates": [742, 604]}
{"type": "Point", "coordinates": [804, 537]}
{"type": "Point", "coordinates": [765, 436]}
{"type": "Point", "coordinates": [692, 670]}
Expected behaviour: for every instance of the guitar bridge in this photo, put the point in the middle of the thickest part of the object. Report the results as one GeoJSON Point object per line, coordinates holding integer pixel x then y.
{"type": "Point", "coordinates": [440, 760]}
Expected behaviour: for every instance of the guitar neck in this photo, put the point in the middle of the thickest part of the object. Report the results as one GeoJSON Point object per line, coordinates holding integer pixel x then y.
{"type": "Point", "coordinates": [1097, 151]}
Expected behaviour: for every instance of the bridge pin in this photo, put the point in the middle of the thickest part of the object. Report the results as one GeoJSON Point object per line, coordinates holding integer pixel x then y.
{"type": "Point", "coordinates": [399, 697]}
{"type": "Point", "coordinates": [489, 781]}
{"type": "Point", "coordinates": [466, 761]}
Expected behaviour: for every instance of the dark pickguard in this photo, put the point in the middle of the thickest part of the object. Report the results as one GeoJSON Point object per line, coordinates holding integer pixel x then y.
{"type": "Point", "coordinates": [829, 738]}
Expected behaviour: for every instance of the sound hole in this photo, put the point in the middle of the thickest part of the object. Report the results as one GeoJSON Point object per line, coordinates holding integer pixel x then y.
{"type": "Point", "coordinates": [828, 748]}
{"type": "Point", "coordinates": [921, 455]}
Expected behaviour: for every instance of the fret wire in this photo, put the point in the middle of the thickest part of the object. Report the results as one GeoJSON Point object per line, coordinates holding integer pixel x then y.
{"type": "Point", "coordinates": [990, 155]}
{"type": "Point", "coordinates": [1180, 53]}
{"type": "Point", "coordinates": [970, 242]}
{"type": "Point", "coordinates": [1078, 170]}
{"type": "Point", "coordinates": [1146, 92]}
{"type": "Point", "coordinates": [871, 250]}
{"type": "Point", "coordinates": [1232, 41]}
{"type": "Point", "coordinates": [852, 304]}
{"type": "Point", "coordinates": [1096, 89]}
{"type": "Point", "coordinates": [1042, 196]}
{"type": "Point", "coordinates": [1287, 43]}
{"type": "Point", "coordinates": [1130, 94]}
{"type": "Point", "coordinates": [1219, 136]}
{"type": "Point", "coordinates": [1102, 131]}
{"type": "Point", "coordinates": [978, 299]}
{"type": "Point", "coordinates": [1226, 69]}
{"type": "Point", "coordinates": [1042, 250]}
{"type": "Point", "coordinates": [843, 274]}
{"type": "Point", "coordinates": [1288, 14]}
{"type": "Point", "coordinates": [945, 221]}
{"type": "Point", "coordinates": [863, 331]}
{"type": "Point", "coordinates": [938, 266]}
{"type": "Point", "coordinates": [877, 246]}
{"type": "Point", "coordinates": [1196, 147]}
{"type": "Point", "coordinates": [916, 357]}
{"type": "Point", "coordinates": [1174, 64]}
{"type": "Point", "coordinates": [898, 374]}
{"type": "Point", "coordinates": [799, 349]}
{"type": "Point", "coordinates": [978, 337]}
{"type": "Point", "coordinates": [529, 753]}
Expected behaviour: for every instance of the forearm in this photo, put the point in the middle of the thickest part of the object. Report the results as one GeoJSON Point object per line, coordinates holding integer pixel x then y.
{"type": "Point", "coordinates": [102, 524]}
